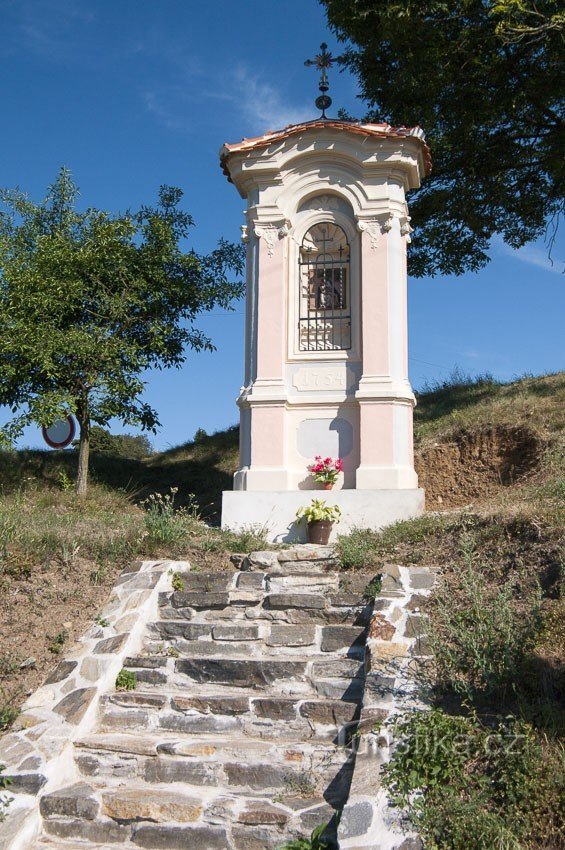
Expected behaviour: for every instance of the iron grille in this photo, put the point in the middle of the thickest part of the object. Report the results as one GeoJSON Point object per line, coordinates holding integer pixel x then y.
{"type": "Point", "coordinates": [324, 322]}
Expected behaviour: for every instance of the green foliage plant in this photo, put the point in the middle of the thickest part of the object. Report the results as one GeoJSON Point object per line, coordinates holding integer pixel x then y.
{"type": "Point", "coordinates": [315, 842]}
{"type": "Point", "coordinates": [485, 81]}
{"type": "Point", "coordinates": [89, 301]}
{"type": "Point", "coordinates": [318, 510]}
{"type": "Point", "coordinates": [58, 642]}
{"type": "Point", "coordinates": [165, 524]}
{"type": "Point", "coordinates": [128, 446]}
{"type": "Point", "coordinates": [473, 785]}
{"type": "Point", "coordinates": [373, 588]}
{"type": "Point", "coordinates": [177, 582]}
{"type": "Point", "coordinates": [481, 636]}
{"type": "Point", "coordinates": [126, 680]}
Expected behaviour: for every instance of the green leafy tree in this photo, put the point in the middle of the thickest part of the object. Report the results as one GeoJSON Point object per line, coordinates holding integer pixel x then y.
{"type": "Point", "coordinates": [89, 300]}
{"type": "Point", "coordinates": [131, 446]}
{"type": "Point", "coordinates": [486, 82]}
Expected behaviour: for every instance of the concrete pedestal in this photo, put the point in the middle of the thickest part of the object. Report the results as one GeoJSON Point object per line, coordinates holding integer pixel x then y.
{"type": "Point", "coordinates": [275, 511]}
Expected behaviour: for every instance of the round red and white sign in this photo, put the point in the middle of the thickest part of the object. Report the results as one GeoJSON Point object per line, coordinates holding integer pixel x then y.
{"type": "Point", "coordinates": [60, 434]}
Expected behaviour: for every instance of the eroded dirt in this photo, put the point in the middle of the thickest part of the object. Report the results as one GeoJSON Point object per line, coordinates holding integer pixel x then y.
{"type": "Point", "coordinates": [471, 465]}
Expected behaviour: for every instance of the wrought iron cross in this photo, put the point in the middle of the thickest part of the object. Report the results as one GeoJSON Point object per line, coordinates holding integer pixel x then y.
{"type": "Point", "coordinates": [323, 61]}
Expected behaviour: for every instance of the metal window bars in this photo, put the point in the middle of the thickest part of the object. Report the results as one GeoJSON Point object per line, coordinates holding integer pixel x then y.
{"type": "Point", "coordinates": [324, 322]}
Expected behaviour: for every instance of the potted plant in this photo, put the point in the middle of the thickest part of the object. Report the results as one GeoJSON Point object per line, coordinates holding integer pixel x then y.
{"type": "Point", "coordinates": [320, 518]}
{"type": "Point", "coordinates": [326, 470]}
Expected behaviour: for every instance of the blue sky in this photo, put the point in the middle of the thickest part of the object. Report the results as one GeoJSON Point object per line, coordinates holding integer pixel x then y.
{"type": "Point", "coordinates": [131, 94]}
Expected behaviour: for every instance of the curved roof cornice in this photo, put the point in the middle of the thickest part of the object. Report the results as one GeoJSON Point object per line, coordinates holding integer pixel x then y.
{"type": "Point", "coordinates": [376, 131]}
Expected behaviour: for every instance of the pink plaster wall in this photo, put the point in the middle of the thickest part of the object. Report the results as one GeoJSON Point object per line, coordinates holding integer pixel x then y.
{"type": "Point", "coordinates": [376, 434]}
{"type": "Point", "coordinates": [271, 311]}
{"type": "Point", "coordinates": [374, 306]}
{"type": "Point", "coordinates": [267, 436]}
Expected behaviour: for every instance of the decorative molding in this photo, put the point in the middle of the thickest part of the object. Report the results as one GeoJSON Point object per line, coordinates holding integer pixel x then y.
{"type": "Point", "coordinates": [375, 226]}
{"type": "Point", "coordinates": [321, 202]}
{"type": "Point", "coordinates": [270, 233]}
{"type": "Point", "coordinates": [405, 228]}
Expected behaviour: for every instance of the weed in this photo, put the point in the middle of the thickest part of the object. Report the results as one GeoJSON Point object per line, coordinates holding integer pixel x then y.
{"type": "Point", "coordinates": [173, 652]}
{"type": "Point", "coordinates": [8, 714]}
{"type": "Point", "coordinates": [299, 785]}
{"type": "Point", "coordinates": [126, 680]}
{"type": "Point", "coordinates": [58, 642]}
{"type": "Point", "coordinates": [177, 582]}
{"type": "Point", "coordinates": [98, 575]}
{"type": "Point", "coordinates": [8, 531]}
{"type": "Point", "coordinates": [481, 636]}
{"type": "Point", "coordinates": [69, 554]}
{"type": "Point", "coordinates": [101, 621]}
{"type": "Point", "coordinates": [64, 480]}
{"type": "Point", "coordinates": [4, 801]}
{"type": "Point", "coordinates": [315, 842]}
{"type": "Point", "coordinates": [373, 588]}
{"type": "Point", "coordinates": [160, 517]}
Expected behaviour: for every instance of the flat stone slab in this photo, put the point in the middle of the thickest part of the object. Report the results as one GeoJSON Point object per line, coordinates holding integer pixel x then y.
{"type": "Point", "coordinates": [295, 600]}
{"type": "Point", "coordinates": [199, 599]}
{"type": "Point", "coordinates": [76, 801]}
{"type": "Point", "coordinates": [214, 704]}
{"type": "Point", "coordinates": [74, 706]}
{"type": "Point", "coordinates": [335, 638]}
{"type": "Point", "coordinates": [158, 806]}
{"type": "Point", "coordinates": [180, 838]}
{"type": "Point", "coordinates": [239, 671]}
{"type": "Point", "coordinates": [291, 636]}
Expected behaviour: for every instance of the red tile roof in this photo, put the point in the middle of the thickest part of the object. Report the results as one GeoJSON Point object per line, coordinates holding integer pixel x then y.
{"type": "Point", "coordinates": [382, 131]}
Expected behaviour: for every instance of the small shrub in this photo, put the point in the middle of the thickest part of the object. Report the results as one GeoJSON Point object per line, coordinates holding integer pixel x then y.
{"type": "Point", "coordinates": [167, 525]}
{"type": "Point", "coordinates": [469, 785]}
{"type": "Point", "coordinates": [101, 621]}
{"type": "Point", "coordinates": [355, 550]}
{"type": "Point", "coordinates": [177, 582]}
{"type": "Point", "coordinates": [126, 680]}
{"type": "Point", "coordinates": [481, 636]}
{"type": "Point", "coordinates": [64, 480]}
{"type": "Point", "coordinates": [373, 588]}
{"type": "Point", "coordinates": [58, 642]}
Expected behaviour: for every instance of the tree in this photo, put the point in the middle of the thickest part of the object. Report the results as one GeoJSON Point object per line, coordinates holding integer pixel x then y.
{"type": "Point", "coordinates": [130, 446]}
{"type": "Point", "coordinates": [486, 82]}
{"type": "Point", "coordinates": [89, 300]}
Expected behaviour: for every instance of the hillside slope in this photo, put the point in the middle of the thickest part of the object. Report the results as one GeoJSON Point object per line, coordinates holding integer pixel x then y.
{"type": "Point", "coordinates": [489, 455]}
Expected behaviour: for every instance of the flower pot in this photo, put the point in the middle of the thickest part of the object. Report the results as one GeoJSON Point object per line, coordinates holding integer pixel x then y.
{"type": "Point", "coordinates": [319, 531]}
{"type": "Point", "coordinates": [328, 485]}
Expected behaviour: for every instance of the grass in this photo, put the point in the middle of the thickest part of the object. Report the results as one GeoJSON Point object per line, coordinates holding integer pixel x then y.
{"type": "Point", "coordinates": [468, 402]}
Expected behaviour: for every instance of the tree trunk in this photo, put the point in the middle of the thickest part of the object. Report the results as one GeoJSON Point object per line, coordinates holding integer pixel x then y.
{"type": "Point", "coordinates": [83, 453]}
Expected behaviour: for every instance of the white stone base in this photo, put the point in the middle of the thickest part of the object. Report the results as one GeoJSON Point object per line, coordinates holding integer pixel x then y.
{"type": "Point", "coordinates": [275, 511]}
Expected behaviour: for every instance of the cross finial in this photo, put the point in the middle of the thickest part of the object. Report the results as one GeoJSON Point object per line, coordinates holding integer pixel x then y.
{"type": "Point", "coordinates": [323, 61]}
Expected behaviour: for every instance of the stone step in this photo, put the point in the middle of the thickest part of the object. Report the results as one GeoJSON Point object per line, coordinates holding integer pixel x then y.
{"type": "Point", "coordinates": [256, 613]}
{"type": "Point", "coordinates": [229, 765]}
{"type": "Point", "coordinates": [266, 716]}
{"type": "Point", "coordinates": [256, 672]}
{"type": "Point", "coordinates": [335, 677]}
{"type": "Point", "coordinates": [234, 640]}
{"type": "Point", "coordinates": [180, 817]}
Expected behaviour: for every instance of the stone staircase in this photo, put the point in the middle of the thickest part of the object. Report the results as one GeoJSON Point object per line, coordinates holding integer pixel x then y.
{"type": "Point", "coordinates": [240, 732]}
